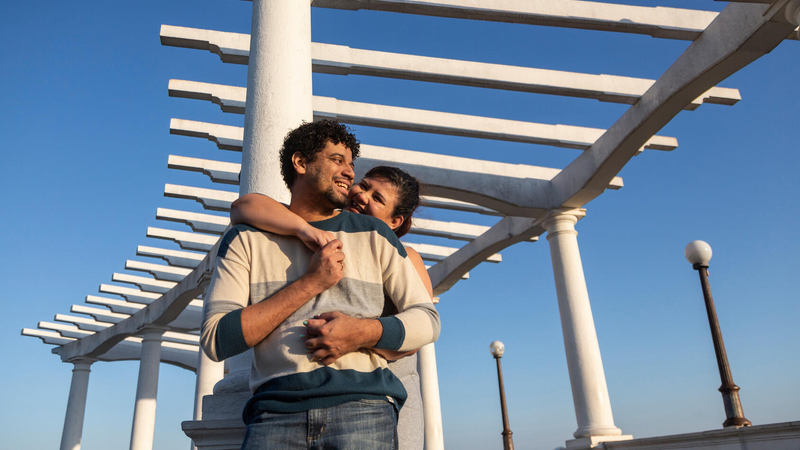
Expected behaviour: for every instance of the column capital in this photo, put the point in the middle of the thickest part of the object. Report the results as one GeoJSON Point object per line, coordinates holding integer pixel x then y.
{"type": "Point", "coordinates": [562, 220]}
{"type": "Point", "coordinates": [150, 332]}
{"type": "Point", "coordinates": [83, 360]}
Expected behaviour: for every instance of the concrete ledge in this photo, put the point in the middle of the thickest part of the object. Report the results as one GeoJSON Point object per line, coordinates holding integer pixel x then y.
{"type": "Point", "coordinates": [776, 436]}
{"type": "Point", "coordinates": [215, 434]}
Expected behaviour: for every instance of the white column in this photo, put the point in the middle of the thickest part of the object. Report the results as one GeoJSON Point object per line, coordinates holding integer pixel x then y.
{"type": "Point", "coordinates": [589, 390]}
{"type": "Point", "coordinates": [431, 404]}
{"type": "Point", "coordinates": [278, 90]}
{"type": "Point", "coordinates": [76, 405]}
{"type": "Point", "coordinates": [144, 413]}
{"type": "Point", "coordinates": [208, 374]}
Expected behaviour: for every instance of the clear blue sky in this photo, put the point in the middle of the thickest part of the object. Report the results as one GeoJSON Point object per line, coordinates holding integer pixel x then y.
{"type": "Point", "coordinates": [85, 129]}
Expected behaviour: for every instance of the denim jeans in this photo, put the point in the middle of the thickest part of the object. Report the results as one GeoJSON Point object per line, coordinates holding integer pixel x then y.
{"type": "Point", "coordinates": [357, 425]}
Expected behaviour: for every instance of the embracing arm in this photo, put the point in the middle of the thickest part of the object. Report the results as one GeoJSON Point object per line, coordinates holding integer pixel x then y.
{"type": "Point", "coordinates": [264, 213]}
{"type": "Point", "coordinates": [230, 325]}
{"type": "Point", "coordinates": [332, 335]}
{"type": "Point", "coordinates": [419, 265]}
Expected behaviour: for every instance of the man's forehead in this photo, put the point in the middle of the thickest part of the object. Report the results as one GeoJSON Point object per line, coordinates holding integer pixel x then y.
{"type": "Point", "coordinates": [331, 149]}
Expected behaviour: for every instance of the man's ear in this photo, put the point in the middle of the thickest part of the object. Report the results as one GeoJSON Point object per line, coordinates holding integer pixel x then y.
{"type": "Point", "coordinates": [299, 163]}
{"type": "Point", "coordinates": [395, 222]}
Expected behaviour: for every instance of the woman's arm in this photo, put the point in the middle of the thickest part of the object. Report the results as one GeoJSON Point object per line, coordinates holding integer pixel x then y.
{"type": "Point", "coordinates": [264, 213]}
{"type": "Point", "coordinates": [416, 260]}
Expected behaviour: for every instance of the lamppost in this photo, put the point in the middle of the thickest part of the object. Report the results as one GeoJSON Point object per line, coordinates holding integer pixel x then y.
{"type": "Point", "coordinates": [497, 348]}
{"type": "Point", "coordinates": [699, 254]}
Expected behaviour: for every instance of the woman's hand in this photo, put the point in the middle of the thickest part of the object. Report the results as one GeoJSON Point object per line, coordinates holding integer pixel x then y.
{"type": "Point", "coordinates": [314, 238]}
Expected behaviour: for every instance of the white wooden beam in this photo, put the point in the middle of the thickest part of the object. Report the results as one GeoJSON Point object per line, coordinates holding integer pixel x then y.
{"type": "Point", "coordinates": [660, 22]}
{"type": "Point", "coordinates": [739, 35]}
{"type": "Point", "coordinates": [439, 253]}
{"type": "Point", "coordinates": [187, 241]}
{"type": "Point", "coordinates": [217, 171]}
{"type": "Point", "coordinates": [418, 120]}
{"type": "Point", "coordinates": [211, 199]}
{"type": "Point", "coordinates": [159, 271]}
{"type": "Point", "coordinates": [202, 223]}
{"type": "Point", "coordinates": [144, 283]}
{"type": "Point", "coordinates": [176, 258]}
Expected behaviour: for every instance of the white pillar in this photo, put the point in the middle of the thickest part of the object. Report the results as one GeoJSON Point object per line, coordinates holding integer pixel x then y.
{"type": "Point", "coordinates": [431, 404]}
{"type": "Point", "coordinates": [278, 90]}
{"type": "Point", "coordinates": [589, 390]}
{"type": "Point", "coordinates": [144, 413]}
{"type": "Point", "coordinates": [208, 374]}
{"type": "Point", "coordinates": [76, 405]}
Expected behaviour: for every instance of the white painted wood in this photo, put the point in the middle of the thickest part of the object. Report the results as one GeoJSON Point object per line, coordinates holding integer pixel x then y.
{"type": "Point", "coordinates": [425, 121]}
{"type": "Point", "coordinates": [211, 199]}
{"type": "Point", "coordinates": [218, 171]}
{"type": "Point", "coordinates": [661, 22]}
{"type": "Point", "coordinates": [144, 283]}
{"type": "Point", "coordinates": [429, 201]}
{"type": "Point", "coordinates": [48, 337]}
{"type": "Point", "coordinates": [129, 294]}
{"type": "Point", "coordinates": [188, 319]}
{"type": "Point", "coordinates": [92, 325]}
{"type": "Point", "coordinates": [410, 119]}
{"type": "Point", "coordinates": [226, 137]}
{"type": "Point", "coordinates": [202, 223]}
{"type": "Point", "coordinates": [449, 230]}
{"type": "Point", "coordinates": [65, 330]}
{"type": "Point", "coordinates": [177, 258]}
{"type": "Point", "coordinates": [586, 374]}
{"type": "Point", "coordinates": [343, 60]}
{"type": "Point", "coordinates": [101, 315]}
{"type": "Point", "coordinates": [231, 47]}
{"type": "Point", "coordinates": [187, 241]}
{"type": "Point", "coordinates": [76, 404]}
{"type": "Point", "coordinates": [159, 271]}
{"type": "Point", "coordinates": [82, 322]}
{"type": "Point", "coordinates": [727, 46]}
{"type": "Point", "coordinates": [431, 252]}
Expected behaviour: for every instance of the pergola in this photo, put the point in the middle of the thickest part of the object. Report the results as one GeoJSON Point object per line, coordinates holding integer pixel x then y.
{"type": "Point", "coordinates": [159, 317]}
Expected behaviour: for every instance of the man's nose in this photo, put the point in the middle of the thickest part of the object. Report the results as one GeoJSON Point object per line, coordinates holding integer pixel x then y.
{"type": "Point", "coordinates": [349, 173]}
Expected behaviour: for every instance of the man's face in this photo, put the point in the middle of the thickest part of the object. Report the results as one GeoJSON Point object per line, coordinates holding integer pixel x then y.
{"type": "Point", "coordinates": [331, 174]}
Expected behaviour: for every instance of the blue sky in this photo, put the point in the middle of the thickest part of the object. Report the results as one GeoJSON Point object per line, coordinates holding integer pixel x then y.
{"type": "Point", "coordinates": [85, 142]}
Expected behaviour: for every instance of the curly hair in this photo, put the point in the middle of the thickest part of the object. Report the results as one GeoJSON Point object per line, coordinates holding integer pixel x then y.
{"type": "Point", "coordinates": [407, 193]}
{"type": "Point", "coordinates": [309, 139]}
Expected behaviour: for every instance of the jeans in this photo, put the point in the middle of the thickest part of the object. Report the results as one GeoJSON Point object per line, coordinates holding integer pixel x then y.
{"type": "Point", "coordinates": [357, 425]}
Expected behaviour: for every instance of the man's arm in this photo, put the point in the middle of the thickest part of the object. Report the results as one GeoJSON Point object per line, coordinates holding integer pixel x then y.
{"type": "Point", "coordinates": [333, 335]}
{"type": "Point", "coordinates": [230, 326]}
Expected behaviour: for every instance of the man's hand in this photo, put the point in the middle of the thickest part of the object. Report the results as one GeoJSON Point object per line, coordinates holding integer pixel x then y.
{"type": "Point", "coordinates": [332, 335]}
{"type": "Point", "coordinates": [314, 238]}
{"type": "Point", "coordinates": [326, 267]}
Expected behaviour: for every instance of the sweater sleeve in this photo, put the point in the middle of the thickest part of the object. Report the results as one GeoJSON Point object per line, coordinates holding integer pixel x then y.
{"type": "Point", "coordinates": [417, 322]}
{"type": "Point", "coordinates": [229, 292]}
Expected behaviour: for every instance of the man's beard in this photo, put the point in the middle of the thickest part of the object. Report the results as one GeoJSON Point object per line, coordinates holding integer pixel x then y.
{"type": "Point", "coordinates": [336, 200]}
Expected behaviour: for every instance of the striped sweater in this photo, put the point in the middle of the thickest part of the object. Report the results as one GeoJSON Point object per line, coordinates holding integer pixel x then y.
{"type": "Point", "coordinates": [252, 265]}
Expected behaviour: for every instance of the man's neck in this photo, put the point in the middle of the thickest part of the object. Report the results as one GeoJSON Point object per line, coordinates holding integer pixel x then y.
{"type": "Point", "coordinates": [310, 211]}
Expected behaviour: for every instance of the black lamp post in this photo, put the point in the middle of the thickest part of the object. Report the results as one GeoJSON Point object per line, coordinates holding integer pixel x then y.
{"type": "Point", "coordinates": [497, 348]}
{"type": "Point", "coordinates": [699, 254]}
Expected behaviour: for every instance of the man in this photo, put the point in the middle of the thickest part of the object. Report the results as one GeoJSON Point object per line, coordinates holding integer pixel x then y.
{"type": "Point", "coordinates": [267, 286]}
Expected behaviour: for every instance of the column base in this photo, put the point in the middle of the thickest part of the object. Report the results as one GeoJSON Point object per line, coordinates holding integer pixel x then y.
{"type": "Point", "coordinates": [594, 441]}
{"type": "Point", "coordinates": [226, 434]}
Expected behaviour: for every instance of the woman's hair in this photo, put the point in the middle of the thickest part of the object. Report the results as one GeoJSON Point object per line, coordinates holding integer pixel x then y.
{"type": "Point", "coordinates": [407, 193]}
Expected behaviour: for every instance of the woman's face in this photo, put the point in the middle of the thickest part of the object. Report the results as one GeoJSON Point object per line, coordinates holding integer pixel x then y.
{"type": "Point", "coordinates": [375, 197]}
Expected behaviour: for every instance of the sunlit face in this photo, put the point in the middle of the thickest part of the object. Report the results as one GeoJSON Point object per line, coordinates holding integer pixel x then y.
{"type": "Point", "coordinates": [331, 174]}
{"type": "Point", "coordinates": [375, 197]}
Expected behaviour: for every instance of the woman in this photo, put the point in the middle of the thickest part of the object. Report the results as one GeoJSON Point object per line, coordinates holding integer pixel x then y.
{"type": "Point", "coordinates": [386, 193]}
